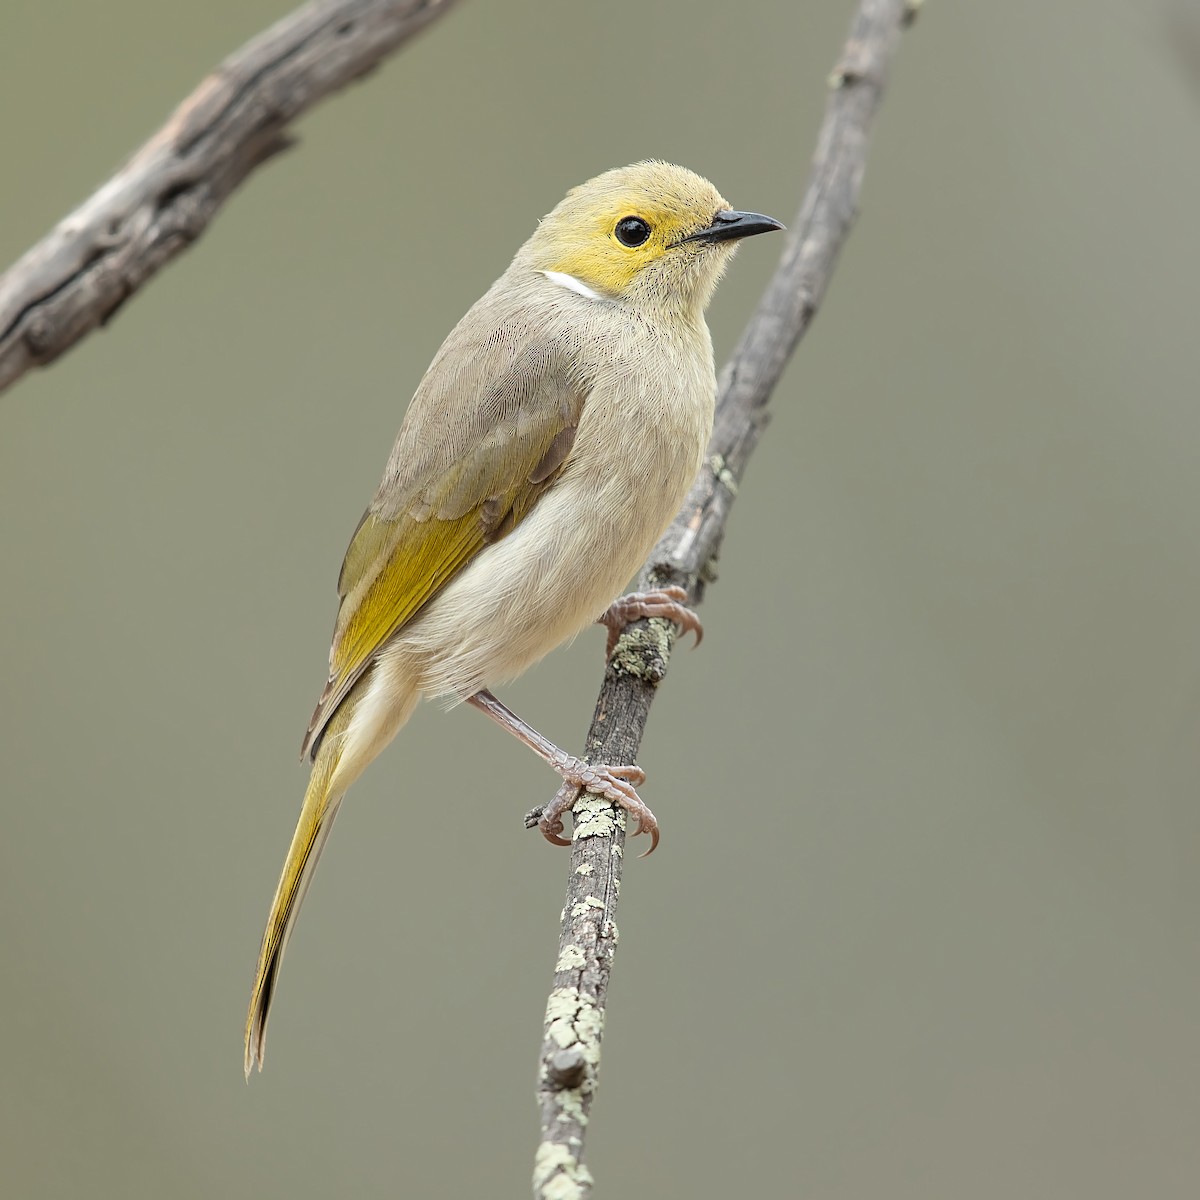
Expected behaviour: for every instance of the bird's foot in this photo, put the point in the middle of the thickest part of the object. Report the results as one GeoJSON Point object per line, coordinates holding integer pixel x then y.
{"type": "Point", "coordinates": [661, 602]}
{"type": "Point", "coordinates": [617, 784]}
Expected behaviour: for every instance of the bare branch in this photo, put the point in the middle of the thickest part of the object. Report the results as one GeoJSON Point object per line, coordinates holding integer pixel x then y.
{"type": "Point", "coordinates": [160, 202]}
{"type": "Point", "coordinates": [575, 1012]}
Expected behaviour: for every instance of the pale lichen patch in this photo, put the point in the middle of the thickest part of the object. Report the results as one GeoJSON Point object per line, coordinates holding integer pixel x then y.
{"type": "Point", "coordinates": [643, 649]}
{"type": "Point", "coordinates": [570, 1104]}
{"type": "Point", "coordinates": [571, 958]}
{"type": "Point", "coordinates": [586, 905]}
{"type": "Point", "coordinates": [596, 817]}
{"type": "Point", "coordinates": [589, 1025]}
{"type": "Point", "coordinates": [561, 1008]}
{"type": "Point", "coordinates": [574, 1019]}
{"type": "Point", "coordinates": [558, 1174]}
{"type": "Point", "coordinates": [723, 473]}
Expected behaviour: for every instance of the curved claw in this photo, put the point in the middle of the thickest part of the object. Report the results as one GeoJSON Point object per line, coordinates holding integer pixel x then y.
{"type": "Point", "coordinates": [647, 823]}
{"type": "Point", "coordinates": [617, 784]}
{"type": "Point", "coordinates": [550, 822]}
{"type": "Point", "coordinates": [662, 602]}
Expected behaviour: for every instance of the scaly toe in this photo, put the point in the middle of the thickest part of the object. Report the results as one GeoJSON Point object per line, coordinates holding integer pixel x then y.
{"type": "Point", "coordinates": [661, 602]}
{"type": "Point", "coordinates": [550, 822]}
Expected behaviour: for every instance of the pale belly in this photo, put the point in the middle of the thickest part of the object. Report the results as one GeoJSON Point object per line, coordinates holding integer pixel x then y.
{"type": "Point", "coordinates": [558, 570]}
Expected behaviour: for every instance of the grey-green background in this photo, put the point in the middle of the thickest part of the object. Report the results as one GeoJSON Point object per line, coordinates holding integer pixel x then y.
{"type": "Point", "coordinates": [923, 922]}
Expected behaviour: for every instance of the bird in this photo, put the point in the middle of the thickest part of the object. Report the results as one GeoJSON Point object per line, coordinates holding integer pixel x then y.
{"type": "Point", "coordinates": [543, 454]}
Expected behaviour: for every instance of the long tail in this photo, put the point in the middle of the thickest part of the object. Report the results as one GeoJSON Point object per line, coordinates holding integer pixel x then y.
{"type": "Point", "coordinates": [365, 721]}
{"type": "Point", "coordinates": [312, 831]}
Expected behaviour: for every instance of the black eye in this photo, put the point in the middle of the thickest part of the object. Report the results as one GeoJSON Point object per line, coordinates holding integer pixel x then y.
{"type": "Point", "coordinates": [632, 231]}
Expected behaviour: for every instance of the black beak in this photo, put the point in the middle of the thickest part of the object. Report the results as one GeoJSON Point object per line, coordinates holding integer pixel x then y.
{"type": "Point", "coordinates": [728, 225]}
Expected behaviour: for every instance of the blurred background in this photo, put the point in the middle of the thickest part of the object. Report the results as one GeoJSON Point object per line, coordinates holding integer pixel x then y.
{"type": "Point", "coordinates": [923, 922]}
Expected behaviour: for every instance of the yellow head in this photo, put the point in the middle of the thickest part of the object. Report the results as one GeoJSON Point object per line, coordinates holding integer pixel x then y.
{"type": "Point", "coordinates": [651, 233]}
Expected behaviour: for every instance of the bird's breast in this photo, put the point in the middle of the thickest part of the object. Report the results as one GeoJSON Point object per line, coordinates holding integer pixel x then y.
{"type": "Point", "coordinates": [641, 439]}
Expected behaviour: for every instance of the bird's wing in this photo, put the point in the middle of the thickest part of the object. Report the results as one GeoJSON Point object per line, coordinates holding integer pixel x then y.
{"type": "Point", "coordinates": [488, 430]}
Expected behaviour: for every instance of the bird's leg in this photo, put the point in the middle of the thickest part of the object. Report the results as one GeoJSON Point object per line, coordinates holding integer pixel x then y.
{"type": "Point", "coordinates": [617, 783]}
{"type": "Point", "coordinates": [662, 602]}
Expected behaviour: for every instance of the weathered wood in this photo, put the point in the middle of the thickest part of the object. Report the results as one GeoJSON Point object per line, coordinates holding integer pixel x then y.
{"type": "Point", "coordinates": [162, 200]}
{"type": "Point", "coordinates": [575, 1011]}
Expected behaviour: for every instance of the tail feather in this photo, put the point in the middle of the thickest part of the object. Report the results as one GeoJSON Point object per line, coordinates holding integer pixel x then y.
{"type": "Point", "coordinates": [363, 724]}
{"type": "Point", "coordinates": [312, 831]}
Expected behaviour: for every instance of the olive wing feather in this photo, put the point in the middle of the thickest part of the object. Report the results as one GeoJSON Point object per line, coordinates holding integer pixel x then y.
{"type": "Point", "coordinates": [487, 432]}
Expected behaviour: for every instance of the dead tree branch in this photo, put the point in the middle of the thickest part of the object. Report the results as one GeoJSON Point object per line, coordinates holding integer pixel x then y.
{"type": "Point", "coordinates": [163, 199]}
{"type": "Point", "coordinates": [570, 1055]}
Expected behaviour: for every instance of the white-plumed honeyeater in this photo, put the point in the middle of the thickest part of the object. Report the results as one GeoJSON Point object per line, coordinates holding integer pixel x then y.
{"type": "Point", "coordinates": [551, 441]}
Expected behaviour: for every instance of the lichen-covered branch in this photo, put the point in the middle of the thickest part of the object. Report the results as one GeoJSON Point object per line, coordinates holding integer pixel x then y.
{"type": "Point", "coordinates": [160, 202]}
{"type": "Point", "coordinates": [575, 1013]}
